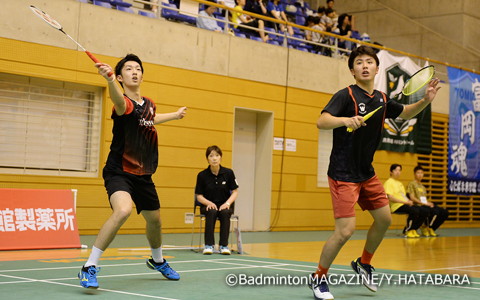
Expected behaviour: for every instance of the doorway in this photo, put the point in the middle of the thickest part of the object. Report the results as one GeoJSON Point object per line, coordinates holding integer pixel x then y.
{"type": "Point", "coordinates": [252, 164]}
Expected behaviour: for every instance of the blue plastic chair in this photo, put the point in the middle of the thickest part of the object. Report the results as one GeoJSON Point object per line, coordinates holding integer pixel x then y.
{"type": "Point", "coordinates": [117, 3]}
{"type": "Point", "coordinates": [147, 14]}
{"type": "Point", "coordinates": [220, 23]}
{"type": "Point", "coordinates": [256, 38]}
{"type": "Point", "coordinates": [239, 34]}
{"type": "Point", "coordinates": [102, 3]}
{"type": "Point", "coordinates": [168, 13]}
{"type": "Point", "coordinates": [273, 42]}
{"type": "Point", "coordinates": [125, 9]}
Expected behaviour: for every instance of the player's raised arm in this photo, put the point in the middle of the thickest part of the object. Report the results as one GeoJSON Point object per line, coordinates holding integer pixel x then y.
{"type": "Point", "coordinates": [115, 92]}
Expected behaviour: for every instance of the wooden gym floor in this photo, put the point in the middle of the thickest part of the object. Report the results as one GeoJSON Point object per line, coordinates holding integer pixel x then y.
{"type": "Point", "coordinates": [275, 265]}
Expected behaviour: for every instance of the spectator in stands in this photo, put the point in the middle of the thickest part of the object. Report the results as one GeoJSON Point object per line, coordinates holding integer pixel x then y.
{"type": "Point", "coordinates": [304, 7]}
{"type": "Point", "coordinates": [206, 20]}
{"type": "Point", "coordinates": [345, 29]}
{"type": "Point", "coordinates": [216, 190]}
{"type": "Point", "coordinates": [327, 20]}
{"type": "Point", "coordinates": [277, 10]}
{"type": "Point", "coordinates": [316, 37]}
{"type": "Point", "coordinates": [239, 18]}
{"type": "Point", "coordinates": [153, 8]}
{"type": "Point", "coordinates": [256, 7]}
{"type": "Point", "coordinates": [417, 192]}
{"type": "Point", "coordinates": [321, 11]}
{"type": "Point", "coordinates": [331, 5]}
{"type": "Point", "coordinates": [400, 204]}
{"type": "Point", "coordinates": [227, 3]}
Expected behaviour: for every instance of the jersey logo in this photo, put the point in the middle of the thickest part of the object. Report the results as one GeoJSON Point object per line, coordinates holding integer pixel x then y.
{"type": "Point", "coordinates": [401, 129]}
{"type": "Point", "coordinates": [146, 123]}
{"type": "Point", "coordinates": [361, 108]}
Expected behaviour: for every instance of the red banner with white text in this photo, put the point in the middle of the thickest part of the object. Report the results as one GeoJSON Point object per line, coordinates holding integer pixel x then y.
{"type": "Point", "coordinates": [37, 219]}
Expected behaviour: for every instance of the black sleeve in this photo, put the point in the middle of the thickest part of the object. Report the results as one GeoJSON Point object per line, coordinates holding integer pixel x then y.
{"type": "Point", "coordinates": [394, 109]}
{"type": "Point", "coordinates": [338, 104]}
{"type": "Point", "coordinates": [200, 185]}
{"type": "Point", "coordinates": [232, 181]}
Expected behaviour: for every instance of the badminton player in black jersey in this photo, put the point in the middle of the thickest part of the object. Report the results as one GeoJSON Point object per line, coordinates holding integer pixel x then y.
{"type": "Point", "coordinates": [132, 160]}
{"type": "Point", "coordinates": [351, 175]}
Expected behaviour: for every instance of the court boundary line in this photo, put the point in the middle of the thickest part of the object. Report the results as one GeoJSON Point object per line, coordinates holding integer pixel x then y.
{"type": "Point", "coordinates": [238, 262]}
{"type": "Point", "coordinates": [30, 280]}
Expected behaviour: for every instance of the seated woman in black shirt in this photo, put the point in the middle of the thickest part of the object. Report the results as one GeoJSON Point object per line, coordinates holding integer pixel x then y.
{"type": "Point", "coordinates": [216, 190]}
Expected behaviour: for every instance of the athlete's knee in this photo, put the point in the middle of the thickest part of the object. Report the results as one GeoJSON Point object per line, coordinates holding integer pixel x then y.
{"type": "Point", "coordinates": [344, 234]}
{"type": "Point", "coordinates": [122, 214]}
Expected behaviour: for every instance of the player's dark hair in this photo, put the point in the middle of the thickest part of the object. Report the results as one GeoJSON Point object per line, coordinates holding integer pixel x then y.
{"type": "Point", "coordinates": [418, 168]}
{"type": "Point", "coordinates": [121, 63]}
{"type": "Point", "coordinates": [213, 148]}
{"type": "Point", "coordinates": [394, 166]}
{"type": "Point", "coordinates": [360, 51]}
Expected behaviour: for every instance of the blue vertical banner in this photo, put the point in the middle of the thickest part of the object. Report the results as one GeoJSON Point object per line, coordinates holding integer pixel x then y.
{"type": "Point", "coordinates": [464, 133]}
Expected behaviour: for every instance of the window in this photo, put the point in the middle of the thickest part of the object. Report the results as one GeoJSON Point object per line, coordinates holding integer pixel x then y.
{"type": "Point", "coordinates": [49, 127]}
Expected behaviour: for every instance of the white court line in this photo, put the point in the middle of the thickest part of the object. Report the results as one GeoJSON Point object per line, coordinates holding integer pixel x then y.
{"type": "Point", "coordinates": [114, 265]}
{"type": "Point", "coordinates": [449, 268]}
{"type": "Point", "coordinates": [100, 289]}
{"type": "Point", "coordinates": [268, 264]}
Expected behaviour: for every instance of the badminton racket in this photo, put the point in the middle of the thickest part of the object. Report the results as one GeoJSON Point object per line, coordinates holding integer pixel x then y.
{"type": "Point", "coordinates": [366, 117]}
{"type": "Point", "coordinates": [418, 80]}
{"type": "Point", "coordinates": [52, 22]}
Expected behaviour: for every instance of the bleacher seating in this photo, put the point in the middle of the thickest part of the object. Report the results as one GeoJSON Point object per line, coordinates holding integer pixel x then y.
{"type": "Point", "coordinates": [147, 14]}
{"type": "Point", "coordinates": [221, 21]}
{"type": "Point", "coordinates": [102, 3]}
{"type": "Point", "coordinates": [120, 3]}
{"type": "Point", "coordinates": [125, 9]}
{"type": "Point", "coordinates": [169, 11]}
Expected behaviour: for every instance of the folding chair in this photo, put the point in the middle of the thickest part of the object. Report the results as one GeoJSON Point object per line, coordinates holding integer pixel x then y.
{"type": "Point", "coordinates": [234, 228]}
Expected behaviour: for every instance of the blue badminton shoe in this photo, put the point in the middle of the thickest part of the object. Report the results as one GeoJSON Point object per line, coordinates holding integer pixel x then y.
{"type": "Point", "coordinates": [163, 268]}
{"type": "Point", "coordinates": [88, 277]}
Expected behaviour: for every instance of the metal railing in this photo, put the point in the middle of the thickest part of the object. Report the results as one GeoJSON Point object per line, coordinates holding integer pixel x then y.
{"type": "Point", "coordinates": [335, 49]}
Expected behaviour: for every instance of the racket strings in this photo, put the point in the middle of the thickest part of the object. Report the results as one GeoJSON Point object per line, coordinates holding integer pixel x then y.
{"type": "Point", "coordinates": [50, 21]}
{"type": "Point", "coordinates": [418, 80]}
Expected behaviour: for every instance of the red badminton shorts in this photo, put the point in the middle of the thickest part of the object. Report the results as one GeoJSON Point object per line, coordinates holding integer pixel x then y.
{"type": "Point", "coordinates": [369, 194]}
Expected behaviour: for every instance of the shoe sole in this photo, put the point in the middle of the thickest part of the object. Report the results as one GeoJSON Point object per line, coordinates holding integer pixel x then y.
{"type": "Point", "coordinates": [153, 268]}
{"type": "Point", "coordinates": [354, 268]}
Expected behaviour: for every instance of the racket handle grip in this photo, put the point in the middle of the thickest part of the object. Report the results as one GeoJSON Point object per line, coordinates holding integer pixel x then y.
{"type": "Point", "coordinates": [92, 57]}
{"type": "Point", "coordinates": [349, 129]}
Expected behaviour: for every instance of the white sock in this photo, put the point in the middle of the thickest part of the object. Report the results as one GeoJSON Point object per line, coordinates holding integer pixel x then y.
{"type": "Point", "coordinates": [157, 255]}
{"type": "Point", "coordinates": [94, 257]}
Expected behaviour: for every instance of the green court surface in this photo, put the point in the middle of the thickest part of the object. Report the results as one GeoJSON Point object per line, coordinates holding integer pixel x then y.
{"type": "Point", "coordinates": [205, 277]}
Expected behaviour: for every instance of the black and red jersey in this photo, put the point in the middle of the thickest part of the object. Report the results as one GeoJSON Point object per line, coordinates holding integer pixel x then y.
{"type": "Point", "coordinates": [134, 147]}
{"type": "Point", "coordinates": [352, 152]}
